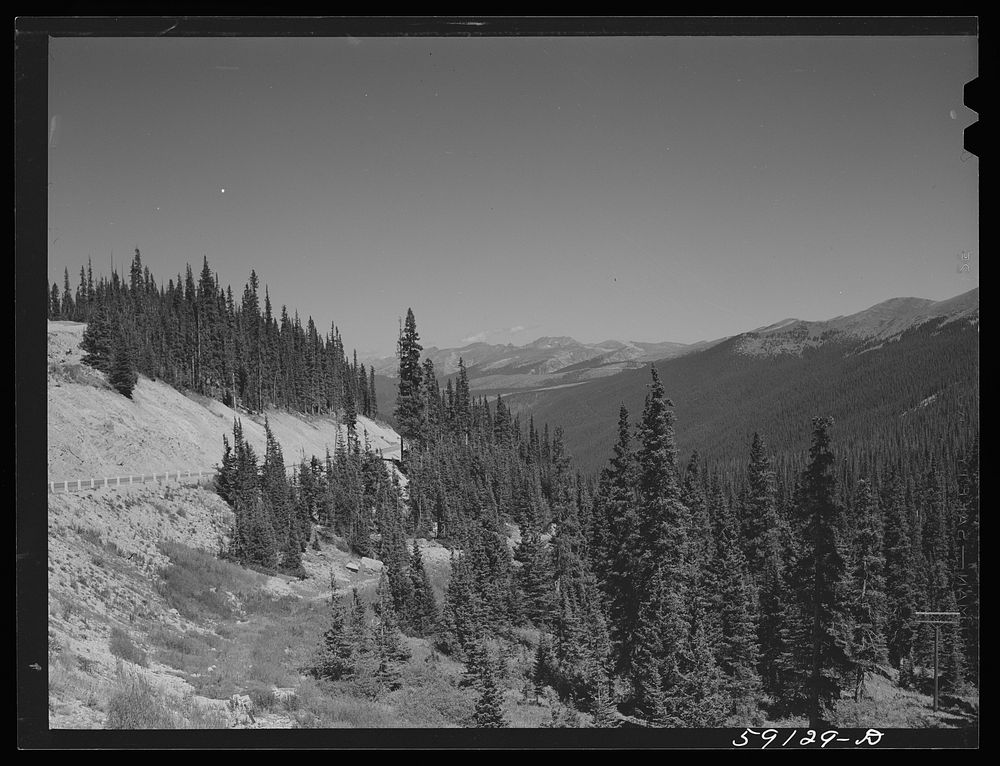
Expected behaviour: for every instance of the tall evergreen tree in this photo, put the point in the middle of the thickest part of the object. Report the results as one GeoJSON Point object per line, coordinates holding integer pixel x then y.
{"type": "Point", "coordinates": [489, 707]}
{"type": "Point", "coordinates": [422, 615]}
{"type": "Point", "coordinates": [122, 375]}
{"type": "Point", "coordinates": [389, 648]}
{"type": "Point", "coordinates": [662, 625]}
{"type": "Point", "coordinates": [757, 508]}
{"type": "Point", "coordinates": [409, 403]}
{"type": "Point", "coordinates": [867, 597]}
{"type": "Point", "coordinates": [100, 339]}
{"type": "Point", "coordinates": [901, 574]}
{"type": "Point", "coordinates": [817, 575]}
{"type": "Point", "coordinates": [739, 652]}
{"type": "Point", "coordinates": [624, 546]}
{"type": "Point", "coordinates": [337, 651]}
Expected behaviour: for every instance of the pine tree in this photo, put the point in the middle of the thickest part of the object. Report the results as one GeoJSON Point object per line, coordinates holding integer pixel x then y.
{"type": "Point", "coordinates": [968, 558]}
{"type": "Point", "coordinates": [901, 574]}
{"type": "Point", "coordinates": [738, 653]}
{"type": "Point", "coordinates": [662, 624]}
{"type": "Point", "coordinates": [699, 698]}
{"type": "Point", "coordinates": [389, 648]}
{"type": "Point", "coordinates": [225, 477]}
{"type": "Point", "coordinates": [277, 498]}
{"type": "Point", "coordinates": [489, 707]}
{"type": "Point", "coordinates": [54, 306]}
{"type": "Point", "coordinates": [336, 656]}
{"type": "Point", "coordinates": [100, 339]}
{"type": "Point", "coordinates": [122, 375]}
{"type": "Point", "coordinates": [757, 510]}
{"type": "Point", "coordinates": [409, 402]}
{"type": "Point", "coordinates": [462, 618]}
{"type": "Point", "coordinates": [817, 575]}
{"type": "Point", "coordinates": [867, 597]}
{"type": "Point", "coordinates": [422, 614]}
{"type": "Point", "coordinates": [66, 310]}
{"type": "Point", "coordinates": [624, 546]}
{"type": "Point", "coordinates": [534, 577]}
{"type": "Point", "coordinates": [774, 609]}
{"type": "Point", "coordinates": [262, 547]}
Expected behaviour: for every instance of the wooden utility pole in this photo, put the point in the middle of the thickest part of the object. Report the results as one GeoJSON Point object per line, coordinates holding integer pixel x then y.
{"type": "Point", "coordinates": [937, 619]}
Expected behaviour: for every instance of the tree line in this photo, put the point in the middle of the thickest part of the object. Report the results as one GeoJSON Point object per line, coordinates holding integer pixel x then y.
{"type": "Point", "coordinates": [195, 335]}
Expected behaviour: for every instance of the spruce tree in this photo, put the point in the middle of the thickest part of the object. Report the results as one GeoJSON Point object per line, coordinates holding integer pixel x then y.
{"type": "Point", "coordinates": [489, 707]}
{"type": "Point", "coordinates": [66, 309]}
{"type": "Point", "coordinates": [534, 577]}
{"type": "Point", "coordinates": [122, 375]}
{"type": "Point", "coordinates": [867, 597]}
{"type": "Point", "coordinates": [624, 546]}
{"type": "Point", "coordinates": [739, 653]}
{"type": "Point", "coordinates": [336, 656]}
{"type": "Point", "coordinates": [817, 575]}
{"type": "Point", "coordinates": [54, 307]}
{"type": "Point", "coordinates": [662, 625]}
{"type": "Point", "coordinates": [699, 698]}
{"type": "Point", "coordinates": [901, 574]}
{"type": "Point", "coordinates": [757, 509]}
{"type": "Point", "coordinates": [463, 615]}
{"type": "Point", "coordinates": [409, 401]}
{"type": "Point", "coordinates": [100, 339]}
{"type": "Point", "coordinates": [277, 497]}
{"type": "Point", "coordinates": [422, 613]}
{"type": "Point", "coordinates": [389, 648]}
{"type": "Point", "coordinates": [225, 477]}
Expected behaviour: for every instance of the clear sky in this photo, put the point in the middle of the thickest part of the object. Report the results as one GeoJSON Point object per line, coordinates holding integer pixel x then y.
{"type": "Point", "coordinates": [506, 188]}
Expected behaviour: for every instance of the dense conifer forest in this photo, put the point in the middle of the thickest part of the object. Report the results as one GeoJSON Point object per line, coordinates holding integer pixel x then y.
{"type": "Point", "coordinates": [195, 335]}
{"type": "Point", "coordinates": [726, 589]}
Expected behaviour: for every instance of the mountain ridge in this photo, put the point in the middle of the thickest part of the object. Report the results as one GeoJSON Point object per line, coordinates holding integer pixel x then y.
{"type": "Point", "coordinates": [550, 362]}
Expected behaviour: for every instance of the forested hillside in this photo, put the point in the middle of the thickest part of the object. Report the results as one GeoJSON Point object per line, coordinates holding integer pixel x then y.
{"type": "Point", "coordinates": [700, 576]}
{"type": "Point", "coordinates": [918, 391]}
{"type": "Point", "coordinates": [198, 336]}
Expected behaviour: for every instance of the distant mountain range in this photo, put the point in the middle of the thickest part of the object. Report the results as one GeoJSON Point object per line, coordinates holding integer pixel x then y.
{"type": "Point", "coordinates": [556, 362]}
{"type": "Point", "coordinates": [882, 322]}
{"type": "Point", "coordinates": [885, 373]}
{"type": "Point", "coordinates": [904, 363]}
{"type": "Point", "coordinates": [544, 362]}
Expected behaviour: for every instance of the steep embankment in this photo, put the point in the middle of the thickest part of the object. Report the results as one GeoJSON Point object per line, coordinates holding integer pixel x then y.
{"type": "Point", "coordinates": [93, 431]}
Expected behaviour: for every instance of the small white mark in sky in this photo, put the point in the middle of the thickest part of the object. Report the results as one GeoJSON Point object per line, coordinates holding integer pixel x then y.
{"type": "Point", "coordinates": [157, 208]}
{"type": "Point", "coordinates": [953, 115]}
{"type": "Point", "coordinates": [222, 190]}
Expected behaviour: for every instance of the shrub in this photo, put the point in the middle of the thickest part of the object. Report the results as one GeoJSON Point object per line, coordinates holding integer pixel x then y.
{"type": "Point", "coordinates": [135, 705]}
{"type": "Point", "coordinates": [122, 647]}
{"type": "Point", "coordinates": [262, 697]}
